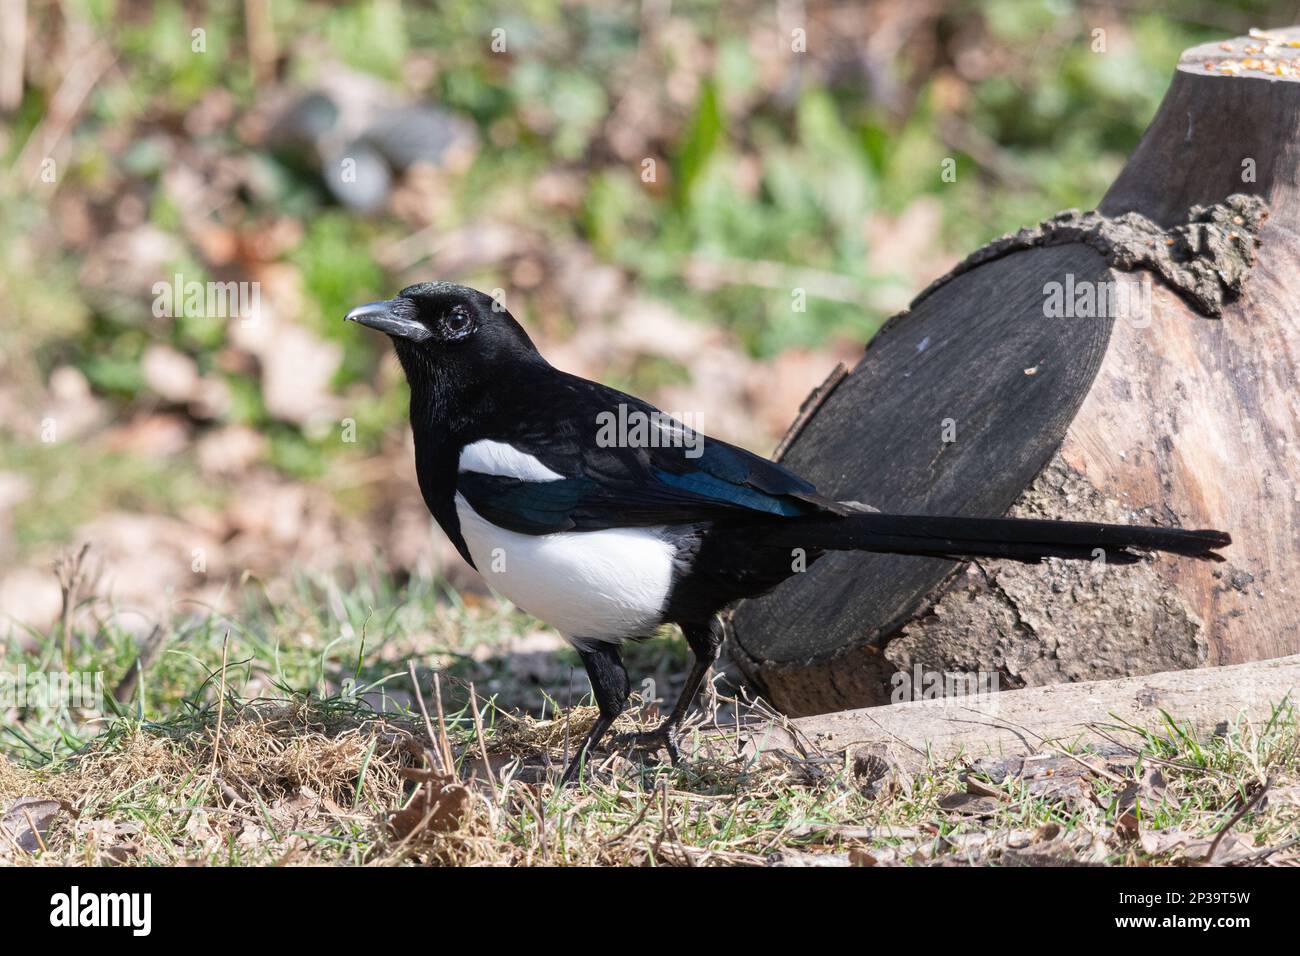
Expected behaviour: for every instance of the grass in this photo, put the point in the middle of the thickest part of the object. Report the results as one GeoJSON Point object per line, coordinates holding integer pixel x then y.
{"type": "Point", "coordinates": [310, 744]}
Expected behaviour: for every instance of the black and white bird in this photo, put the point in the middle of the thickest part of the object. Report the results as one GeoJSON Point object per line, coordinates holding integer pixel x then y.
{"type": "Point", "coordinates": [606, 533]}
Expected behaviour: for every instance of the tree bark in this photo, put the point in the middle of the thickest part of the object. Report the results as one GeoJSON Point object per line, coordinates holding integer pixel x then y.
{"type": "Point", "coordinates": [1178, 405]}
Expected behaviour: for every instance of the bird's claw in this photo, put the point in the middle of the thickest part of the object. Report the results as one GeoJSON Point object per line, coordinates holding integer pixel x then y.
{"type": "Point", "coordinates": [663, 736]}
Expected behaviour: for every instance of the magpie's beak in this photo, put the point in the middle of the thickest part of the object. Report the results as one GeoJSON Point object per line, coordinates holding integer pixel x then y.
{"type": "Point", "coordinates": [386, 316]}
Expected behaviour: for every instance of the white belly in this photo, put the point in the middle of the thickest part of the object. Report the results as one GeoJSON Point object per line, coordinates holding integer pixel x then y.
{"type": "Point", "coordinates": [594, 585]}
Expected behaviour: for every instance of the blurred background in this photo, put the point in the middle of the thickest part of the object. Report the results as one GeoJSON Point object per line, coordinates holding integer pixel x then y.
{"type": "Point", "coordinates": [708, 204]}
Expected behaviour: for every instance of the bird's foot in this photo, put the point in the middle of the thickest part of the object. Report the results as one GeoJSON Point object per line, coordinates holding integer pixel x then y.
{"type": "Point", "coordinates": [571, 772]}
{"type": "Point", "coordinates": [662, 737]}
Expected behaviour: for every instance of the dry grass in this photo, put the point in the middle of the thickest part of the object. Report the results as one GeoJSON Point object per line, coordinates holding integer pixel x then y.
{"type": "Point", "coordinates": [312, 781]}
{"type": "Point", "coordinates": [255, 750]}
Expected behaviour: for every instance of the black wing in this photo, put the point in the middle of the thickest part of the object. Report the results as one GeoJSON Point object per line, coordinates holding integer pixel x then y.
{"type": "Point", "coordinates": [664, 473]}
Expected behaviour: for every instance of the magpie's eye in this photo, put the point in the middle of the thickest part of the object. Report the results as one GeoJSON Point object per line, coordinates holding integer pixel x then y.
{"type": "Point", "coordinates": [457, 322]}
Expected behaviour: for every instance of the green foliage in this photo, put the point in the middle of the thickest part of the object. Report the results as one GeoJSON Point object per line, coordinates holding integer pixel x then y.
{"type": "Point", "coordinates": [168, 59]}
{"type": "Point", "coordinates": [335, 279]}
{"type": "Point", "coordinates": [70, 487]}
{"type": "Point", "coordinates": [701, 139]}
{"type": "Point", "coordinates": [370, 36]}
{"type": "Point", "coordinates": [774, 169]}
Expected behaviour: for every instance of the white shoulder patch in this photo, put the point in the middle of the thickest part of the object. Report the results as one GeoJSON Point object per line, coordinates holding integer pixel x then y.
{"type": "Point", "coordinates": [487, 457]}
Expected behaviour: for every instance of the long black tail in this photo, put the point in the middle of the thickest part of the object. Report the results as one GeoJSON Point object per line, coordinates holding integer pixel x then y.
{"type": "Point", "coordinates": [1017, 539]}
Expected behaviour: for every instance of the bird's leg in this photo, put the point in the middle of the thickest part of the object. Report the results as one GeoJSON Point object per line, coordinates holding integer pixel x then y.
{"type": "Point", "coordinates": [705, 641]}
{"type": "Point", "coordinates": [611, 688]}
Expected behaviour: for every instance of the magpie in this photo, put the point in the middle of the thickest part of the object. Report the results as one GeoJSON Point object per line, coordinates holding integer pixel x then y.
{"type": "Point", "coordinates": [605, 518]}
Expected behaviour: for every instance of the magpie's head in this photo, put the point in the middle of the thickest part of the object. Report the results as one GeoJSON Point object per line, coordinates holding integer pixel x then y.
{"type": "Point", "coordinates": [441, 327]}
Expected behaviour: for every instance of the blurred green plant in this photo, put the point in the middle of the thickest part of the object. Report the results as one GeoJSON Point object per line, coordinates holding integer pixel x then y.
{"type": "Point", "coordinates": [768, 172]}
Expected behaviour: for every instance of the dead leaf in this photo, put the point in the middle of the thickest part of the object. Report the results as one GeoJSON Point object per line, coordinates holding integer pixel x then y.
{"type": "Point", "coordinates": [230, 450]}
{"type": "Point", "coordinates": [27, 821]}
{"type": "Point", "coordinates": [171, 374]}
{"type": "Point", "coordinates": [1180, 846]}
{"type": "Point", "coordinates": [878, 777]}
{"type": "Point", "coordinates": [118, 855]}
{"type": "Point", "coordinates": [885, 856]}
{"type": "Point", "coordinates": [438, 807]}
{"type": "Point", "coordinates": [968, 804]}
{"type": "Point", "coordinates": [1046, 776]}
{"type": "Point", "coordinates": [1128, 826]}
{"type": "Point", "coordinates": [296, 376]}
{"type": "Point", "coordinates": [801, 858]}
{"type": "Point", "coordinates": [981, 789]}
{"type": "Point", "coordinates": [154, 436]}
{"type": "Point", "coordinates": [1143, 793]}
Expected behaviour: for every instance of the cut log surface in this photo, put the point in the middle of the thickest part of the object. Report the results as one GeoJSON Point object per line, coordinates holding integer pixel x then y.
{"type": "Point", "coordinates": [1089, 713]}
{"type": "Point", "coordinates": [1151, 412]}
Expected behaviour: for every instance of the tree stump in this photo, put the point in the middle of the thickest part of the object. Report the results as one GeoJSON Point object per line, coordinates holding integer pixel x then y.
{"type": "Point", "coordinates": [1171, 399]}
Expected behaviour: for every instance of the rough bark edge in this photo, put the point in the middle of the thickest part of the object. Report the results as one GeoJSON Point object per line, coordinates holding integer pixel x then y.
{"type": "Point", "coordinates": [809, 407]}
{"type": "Point", "coordinates": [1205, 259]}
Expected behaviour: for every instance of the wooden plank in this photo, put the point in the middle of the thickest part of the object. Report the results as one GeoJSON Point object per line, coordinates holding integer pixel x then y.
{"type": "Point", "coordinates": [1025, 721]}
